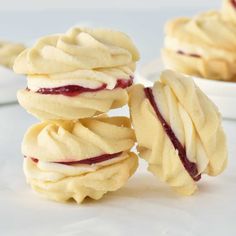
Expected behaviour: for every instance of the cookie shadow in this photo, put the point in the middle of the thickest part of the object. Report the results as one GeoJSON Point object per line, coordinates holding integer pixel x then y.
{"type": "Point", "coordinates": [140, 187]}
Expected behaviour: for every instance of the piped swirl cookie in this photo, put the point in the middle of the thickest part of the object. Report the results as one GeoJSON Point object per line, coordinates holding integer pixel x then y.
{"type": "Point", "coordinates": [74, 160]}
{"type": "Point", "coordinates": [178, 130]}
{"type": "Point", "coordinates": [228, 10]}
{"type": "Point", "coordinates": [82, 73]}
{"type": "Point", "coordinates": [204, 46]}
{"type": "Point", "coordinates": [8, 52]}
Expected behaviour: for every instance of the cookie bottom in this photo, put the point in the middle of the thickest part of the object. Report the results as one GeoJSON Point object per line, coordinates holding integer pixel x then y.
{"type": "Point", "coordinates": [93, 184]}
{"type": "Point", "coordinates": [48, 107]}
{"type": "Point", "coordinates": [215, 69]}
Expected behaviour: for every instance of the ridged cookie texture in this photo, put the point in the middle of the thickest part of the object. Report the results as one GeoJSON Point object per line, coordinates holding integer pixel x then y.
{"type": "Point", "coordinates": [85, 71]}
{"type": "Point", "coordinates": [228, 10]}
{"type": "Point", "coordinates": [8, 53]}
{"type": "Point", "coordinates": [74, 160]}
{"type": "Point", "coordinates": [51, 107]}
{"type": "Point", "coordinates": [92, 184]}
{"type": "Point", "coordinates": [194, 45]}
{"type": "Point", "coordinates": [178, 130]}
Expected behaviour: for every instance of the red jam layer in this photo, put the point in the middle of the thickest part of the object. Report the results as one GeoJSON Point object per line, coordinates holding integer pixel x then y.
{"type": "Point", "coordinates": [123, 83]}
{"type": "Point", "coordinates": [233, 2]}
{"type": "Point", "coordinates": [190, 167]}
{"type": "Point", "coordinates": [89, 161]}
{"type": "Point", "coordinates": [188, 54]}
{"type": "Point", "coordinates": [69, 90]}
{"type": "Point", "coordinates": [75, 90]}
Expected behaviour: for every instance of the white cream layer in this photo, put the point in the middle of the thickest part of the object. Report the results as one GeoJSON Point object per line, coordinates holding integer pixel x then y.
{"type": "Point", "coordinates": [85, 78]}
{"type": "Point", "coordinates": [46, 171]}
{"type": "Point", "coordinates": [181, 124]}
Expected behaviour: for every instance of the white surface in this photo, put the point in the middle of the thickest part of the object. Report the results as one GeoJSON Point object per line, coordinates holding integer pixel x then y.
{"type": "Point", "coordinates": [223, 94]}
{"type": "Point", "coordinates": [9, 84]}
{"type": "Point", "coordinates": [143, 207]}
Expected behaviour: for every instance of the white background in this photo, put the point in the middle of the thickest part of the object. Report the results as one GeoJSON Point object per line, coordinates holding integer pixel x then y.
{"type": "Point", "coordinates": [143, 20]}
{"type": "Point", "coordinates": [101, 4]}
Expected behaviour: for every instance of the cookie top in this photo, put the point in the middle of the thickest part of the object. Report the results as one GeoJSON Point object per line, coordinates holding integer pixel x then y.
{"type": "Point", "coordinates": [82, 56]}
{"type": "Point", "coordinates": [199, 36]}
{"type": "Point", "coordinates": [67, 141]}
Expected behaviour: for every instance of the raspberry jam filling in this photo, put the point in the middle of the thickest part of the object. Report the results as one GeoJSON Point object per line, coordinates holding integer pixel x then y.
{"type": "Point", "coordinates": [89, 161]}
{"type": "Point", "coordinates": [190, 167]}
{"type": "Point", "coordinates": [123, 83]}
{"type": "Point", "coordinates": [233, 2]}
{"type": "Point", "coordinates": [75, 90]}
{"type": "Point", "coordinates": [188, 54]}
{"type": "Point", "coordinates": [69, 90]}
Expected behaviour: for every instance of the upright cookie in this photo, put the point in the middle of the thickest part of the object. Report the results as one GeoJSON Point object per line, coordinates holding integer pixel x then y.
{"type": "Point", "coordinates": [178, 130]}
{"type": "Point", "coordinates": [228, 10]}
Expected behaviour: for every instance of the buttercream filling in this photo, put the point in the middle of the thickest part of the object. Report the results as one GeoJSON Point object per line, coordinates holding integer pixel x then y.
{"type": "Point", "coordinates": [189, 166]}
{"type": "Point", "coordinates": [75, 90]}
{"type": "Point", "coordinates": [233, 2]}
{"type": "Point", "coordinates": [88, 161]}
{"type": "Point", "coordinates": [188, 54]}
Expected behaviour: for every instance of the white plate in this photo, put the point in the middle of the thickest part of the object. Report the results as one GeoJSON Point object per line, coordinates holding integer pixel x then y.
{"type": "Point", "coordinates": [223, 94]}
{"type": "Point", "coordinates": [9, 84]}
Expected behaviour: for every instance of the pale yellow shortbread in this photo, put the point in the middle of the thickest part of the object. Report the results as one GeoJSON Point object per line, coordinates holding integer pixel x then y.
{"type": "Point", "coordinates": [202, 46]}
{"type": "Point", "coordinates": [8, 52]}
{"type": "Point", "coordinates": [79, 48]}
{"type": "Point", "coordinates": [84, 57]}
{"type": "Point", "coordinates": [228, 10]}
{"type": "Point", "coordinates": [52, 141]}
{"type": "Point", "coordinates": [195, 121]}
{"type": "Point", "coordinates": [93, 184]}
{"type": "Point", "coordinates": [50, 145]}
{"type": "Point", "coordinates": [49, 107]}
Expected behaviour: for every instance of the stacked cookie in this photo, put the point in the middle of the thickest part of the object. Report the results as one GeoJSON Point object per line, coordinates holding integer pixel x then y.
{"type": "Point", "coordinates": [77, 151]}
